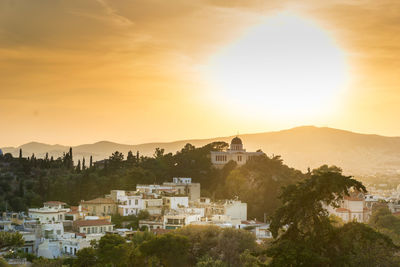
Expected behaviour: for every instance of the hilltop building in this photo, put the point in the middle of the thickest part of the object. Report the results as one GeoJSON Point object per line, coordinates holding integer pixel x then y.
{"type": "Point", "coordinates": [236, 152]}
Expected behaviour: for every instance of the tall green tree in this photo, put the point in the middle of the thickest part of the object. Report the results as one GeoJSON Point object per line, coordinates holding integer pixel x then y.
{"type": "Point", "coordinates": [304, 234]}
{"type": "Point", "coordinates": [86, 257]}
{"type": "Point", "coordinates": [113, 250]}
{"type": "Point", "coordinates": [78, 167]}
{"type": "Point", "coordinates": [170, 249]}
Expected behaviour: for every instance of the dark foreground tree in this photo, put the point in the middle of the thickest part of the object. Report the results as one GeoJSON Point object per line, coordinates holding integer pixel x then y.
{"type": "Point", "coordinates": [305, 236]}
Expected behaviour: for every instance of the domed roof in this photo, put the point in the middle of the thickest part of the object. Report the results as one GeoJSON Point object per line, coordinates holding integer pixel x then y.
{"type": "Point", "coordinates": [236, 141]}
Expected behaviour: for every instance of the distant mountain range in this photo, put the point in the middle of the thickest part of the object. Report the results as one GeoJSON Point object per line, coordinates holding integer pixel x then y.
{"type": "Point", "coordinates": [301, 147]}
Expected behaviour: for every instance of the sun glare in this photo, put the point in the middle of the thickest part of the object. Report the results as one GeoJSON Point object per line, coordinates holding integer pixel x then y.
{"type": "Point", "coordinates": [286, 66]}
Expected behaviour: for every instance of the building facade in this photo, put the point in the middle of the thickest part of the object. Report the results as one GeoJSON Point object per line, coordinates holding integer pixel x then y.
{"type": "Point", "coordinates": [93, 226]}
{"type": "Point", "coordinates": [52, 211]}
{"type": "Point", "coordinates": [236, 153]}
{"type": "Point", "coordinates": [352, 208]}
{"type": "Point", "coordinates": [100, 206]}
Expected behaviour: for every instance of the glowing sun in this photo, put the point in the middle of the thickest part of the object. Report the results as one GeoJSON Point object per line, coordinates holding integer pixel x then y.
{"type": "Point", "coordinates": [286, 66]}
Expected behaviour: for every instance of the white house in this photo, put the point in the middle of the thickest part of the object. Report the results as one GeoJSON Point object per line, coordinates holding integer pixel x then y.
{"type": "Point", "coordinates": [184, 186]}
{"type": "Point", "coordinates": [236, 209]}
{"type": "Point", "coordinates": [52, 230]}
{"type": "Point", "coordinates": [70, 246]}
{"type": "Point", "coordinates": [52, 211]}
{"type": "Point", "coordinates": [129, 202]}
{"type": "Point", "coordinates": [352, 208]}
{"type": "Point", "coordinates": [100, 226]}
{"type": "Point", "coordinates": [175, 202]}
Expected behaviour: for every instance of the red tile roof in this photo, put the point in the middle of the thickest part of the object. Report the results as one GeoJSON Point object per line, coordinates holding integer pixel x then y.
{"type": "Point", "coordinates": [55, 203]}
{"type": "Point", "coordinates": [342, 210]}
{"type": "Point", "coordinates": [354, 198]}
{"type": "Point", "coordinates": [160, 231]}
{"type": "Point", "coordinates": [252, 222]}
{"type": "Point", "coordinates": [98, 201]}
{"type": "Point", "coordinates": [91, 223]}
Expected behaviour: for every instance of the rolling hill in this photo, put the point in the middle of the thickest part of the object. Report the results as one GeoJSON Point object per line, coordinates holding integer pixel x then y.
{"type": "Point", "coordinates": [300, 147]}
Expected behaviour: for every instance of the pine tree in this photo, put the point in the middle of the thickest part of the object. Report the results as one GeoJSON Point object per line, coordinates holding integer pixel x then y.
{"type": "Point", "coordinates": [137, 157]}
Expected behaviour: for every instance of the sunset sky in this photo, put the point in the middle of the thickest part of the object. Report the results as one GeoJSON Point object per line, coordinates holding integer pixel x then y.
{"type": "Point", "coordinates": [81, 71]}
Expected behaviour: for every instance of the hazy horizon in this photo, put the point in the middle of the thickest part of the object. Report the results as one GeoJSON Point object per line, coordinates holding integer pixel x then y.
{"type": "Point", "coordinates": [142, 71]}
{"type": "Point", "coordinates": [192, 138]}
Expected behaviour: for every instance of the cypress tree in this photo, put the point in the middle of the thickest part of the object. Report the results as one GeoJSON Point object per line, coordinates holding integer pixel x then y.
{"type": "Point", "coordinates": [130, 158]}
{"type": "Point", "coordinates": [78, 167]}
{"type": "Point", "coordinates": [71, 159]}
{"type": "Point", "coordinates": [83, 164]}
{"type": "Point", "coordinates": [91, 162]}
{"type": "Point", "coordinates": [20, 153]}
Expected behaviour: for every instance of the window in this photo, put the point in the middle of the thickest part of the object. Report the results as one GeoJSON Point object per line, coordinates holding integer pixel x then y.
{"type": "Point", "coordinates": [104, 208]}
{"type": "Point", "coordinates": [58, 232]}
{"type": "Point", "coordinates": [239, 158]}
{"type": "Point", "coordinates": [130, 202]}
{"type": "Point", "coordinates": [136, 201]}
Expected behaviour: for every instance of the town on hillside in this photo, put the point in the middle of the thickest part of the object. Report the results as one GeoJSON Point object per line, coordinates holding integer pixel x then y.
{"type": "Point", "coordinates": [60, 230]}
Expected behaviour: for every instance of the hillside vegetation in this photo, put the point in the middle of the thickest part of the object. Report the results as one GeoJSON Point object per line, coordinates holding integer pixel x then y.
{"type": "Point", "coordinates": [28, 182]}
